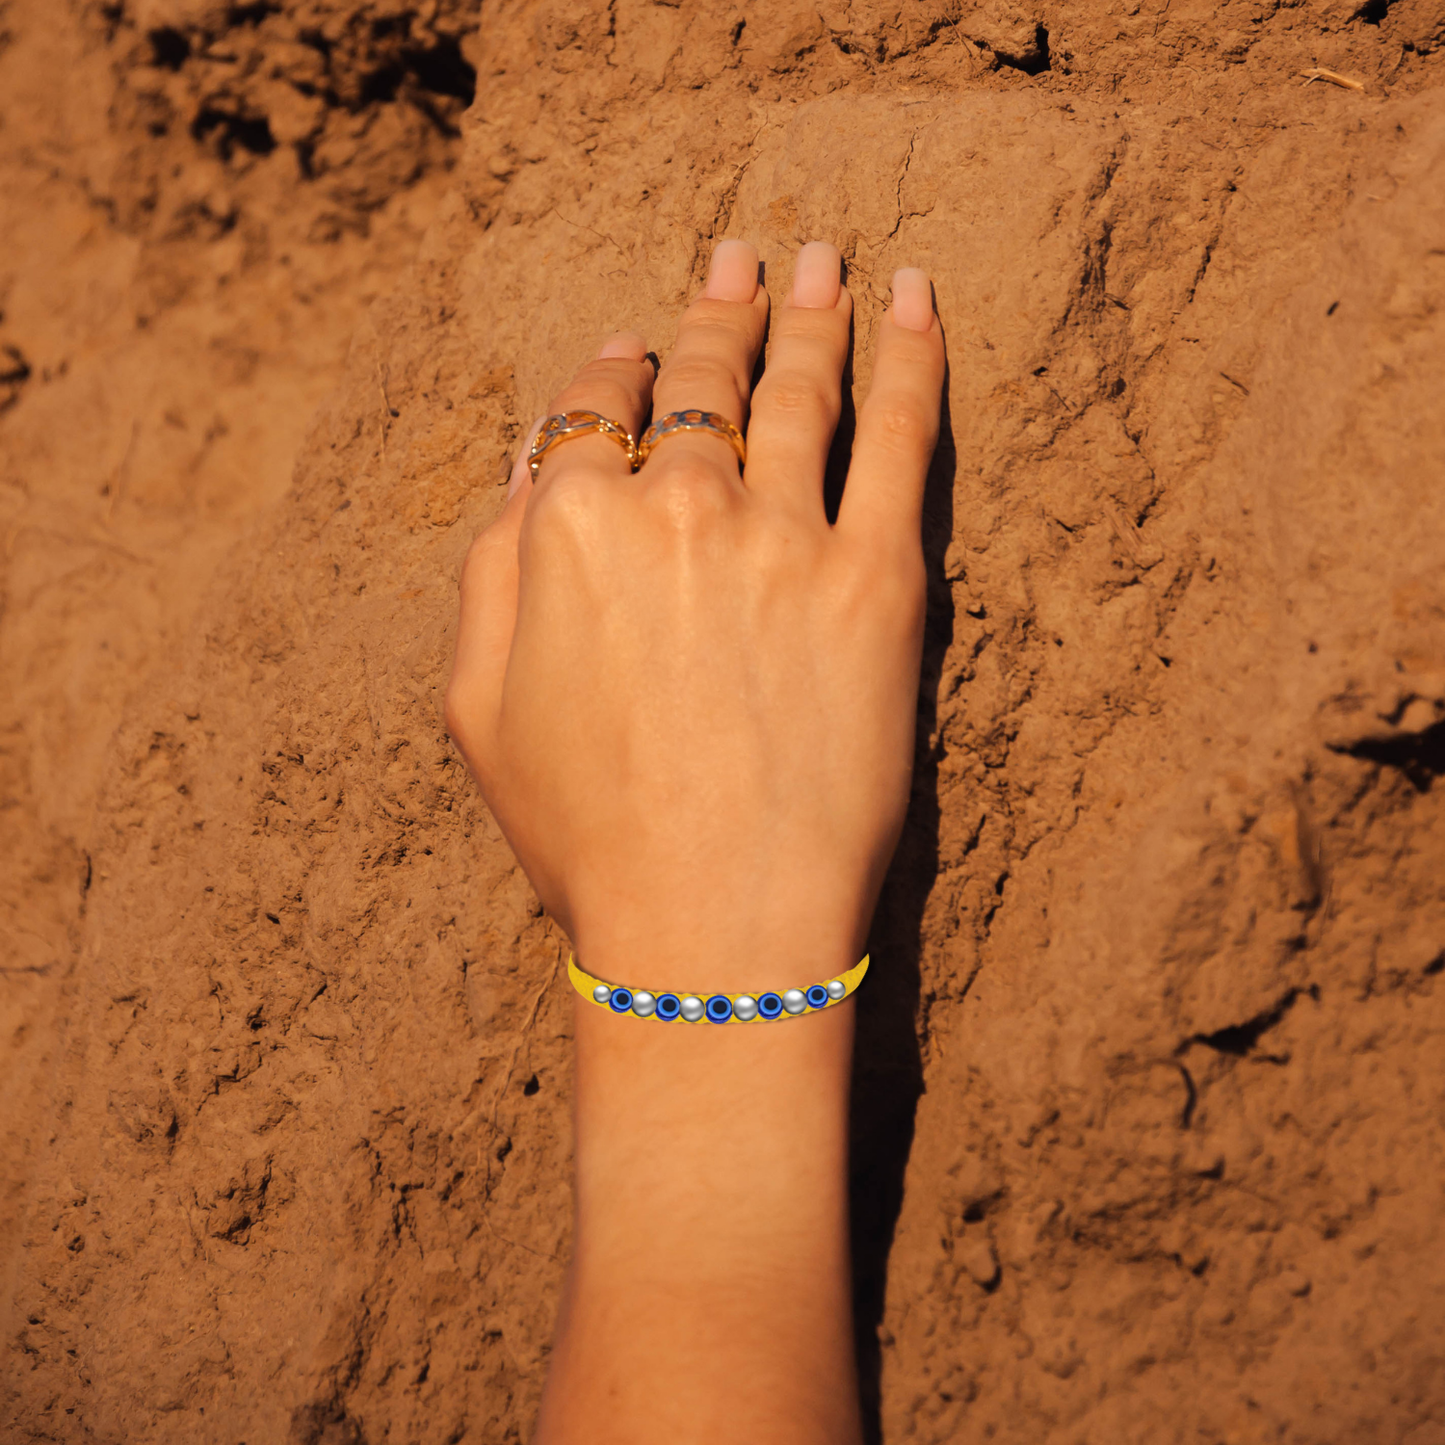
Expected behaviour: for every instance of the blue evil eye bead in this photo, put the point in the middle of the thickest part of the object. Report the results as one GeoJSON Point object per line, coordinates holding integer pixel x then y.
{"type": "Point", "coordinates": [668, 1007]}
{"type": "Point", "coordinates": [770, 1005]}
{"type": "Point", "coordinates": [621, 1000]}
{"type": "Point", "coordinates": [836, 989]}
{"type": "Point", "coordinates": [643, 1004]}
{"type": "Point", "coordinates": [692, 1008]}
{"type": "Point", "coordinates": [745, 1008]}
{"type": "Point", "coordinates": [817, 996]}
{"type": "Point", "coordinates": [719, 1008]}
{"type": "Point", "coordinates": [602, 993]}
{"type": "Point", "coordinates": [793, 1001]}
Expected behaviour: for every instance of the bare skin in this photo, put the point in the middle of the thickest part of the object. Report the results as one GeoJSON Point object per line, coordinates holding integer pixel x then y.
{"type": "Point", "coordinates": [688, 700]}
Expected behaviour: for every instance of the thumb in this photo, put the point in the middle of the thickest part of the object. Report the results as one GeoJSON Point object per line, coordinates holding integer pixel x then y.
{"type": "Point", "coordinates": [488, 618]}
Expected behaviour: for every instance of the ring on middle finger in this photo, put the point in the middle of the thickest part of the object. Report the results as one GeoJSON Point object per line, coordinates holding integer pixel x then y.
{"type": "Point", "coordinates": [676, 422]}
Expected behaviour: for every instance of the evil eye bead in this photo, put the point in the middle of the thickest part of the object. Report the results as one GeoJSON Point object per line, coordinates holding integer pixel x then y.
{"type": "Point", "coordinates": [719, 1008]}
{"type": "Point", "coordinates": [793, 1001]}
{"type": "Point", "coordinates": [602, 993]}
{"type": "Point", "coordinates": [769, 1005]}
{"type": "Point", "coordinates": [817, 996]}
{"type": "Point", "coordinates": [643, 1004]}
{"type": "Point", "coordinates": [745, 1008]}
{"type": "Point", "coordinates": [621, 1000]}
{"type": "Point", "coordinates": [668, 1007]}
{"type": "Point", "coordinates": [836, 989]}
{"type": "Point", "coordinates": [692, 1008]}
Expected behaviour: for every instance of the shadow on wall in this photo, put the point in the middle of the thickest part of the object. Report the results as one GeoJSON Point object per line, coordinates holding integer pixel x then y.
{"type": "Point", "coordinates": [888, 1063]}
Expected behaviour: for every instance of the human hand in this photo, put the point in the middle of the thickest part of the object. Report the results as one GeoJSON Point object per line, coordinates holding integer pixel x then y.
{"type": "Point", "coordinates": [688, 699]}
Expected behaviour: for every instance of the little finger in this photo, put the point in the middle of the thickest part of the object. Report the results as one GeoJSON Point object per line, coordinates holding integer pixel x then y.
{"type": "Point", "coordinates": [898, 425]}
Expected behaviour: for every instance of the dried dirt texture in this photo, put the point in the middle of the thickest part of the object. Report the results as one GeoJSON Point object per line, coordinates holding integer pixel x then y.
{"type": "Point", "coordinates": [173, 306]}
{"type": "Point", "coordinates": [1151, 1074]}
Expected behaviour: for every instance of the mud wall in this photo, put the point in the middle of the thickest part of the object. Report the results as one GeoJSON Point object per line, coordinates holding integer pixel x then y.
{"type": "Point", "coordinates": [180, 276]}
{"type": "Point", "coordinates": [1150, 1081]}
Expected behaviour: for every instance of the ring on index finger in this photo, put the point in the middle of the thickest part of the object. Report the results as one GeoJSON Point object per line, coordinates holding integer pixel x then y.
{"type": "Point", "coordinates": [566, 426]}
{"type": "Point", "coordinates": [677, 422]}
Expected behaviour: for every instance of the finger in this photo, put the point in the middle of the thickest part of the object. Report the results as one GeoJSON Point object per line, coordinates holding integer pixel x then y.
{"type": "Point", "coordinates": [488, 618]}
{"type": "Point", "coordinates": [617, 385]}
{"type": "Point", "coordinates": [711, 365]}
{"type": "Point", "coordinates": [798, 401]}
{"type": "Point", "coordinates": [898, 426]}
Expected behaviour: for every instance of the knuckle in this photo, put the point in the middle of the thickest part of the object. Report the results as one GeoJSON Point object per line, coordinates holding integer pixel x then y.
{"type": "Point", "coordinates": [814, 327]}
{"type": "Point", "coordinates": [563, 506]}
{"type": "Point", "coordinates": [688, 373]}
{"type": "Point", "coordinates": [714, 323]}
{"type": "Point", "coordinates": [798, 395]}
{"type": "Point", "coordinates": [719, 373]}
{"type": "Point", "coordinates": [690, 496]}
{"type": "Point", "coordinates": [898, 422]}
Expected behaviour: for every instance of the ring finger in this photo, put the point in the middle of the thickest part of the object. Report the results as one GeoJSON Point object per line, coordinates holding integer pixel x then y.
{"type": "Point", "coordinates": [711, 365]}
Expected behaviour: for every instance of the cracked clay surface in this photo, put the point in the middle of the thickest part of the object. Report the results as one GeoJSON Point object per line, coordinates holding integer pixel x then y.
{"type": "Point", "coordinates": [1150, 1079]}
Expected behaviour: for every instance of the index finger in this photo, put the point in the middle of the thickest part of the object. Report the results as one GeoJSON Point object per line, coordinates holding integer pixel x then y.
{"type": "Point", "coordinates": [898, 426]}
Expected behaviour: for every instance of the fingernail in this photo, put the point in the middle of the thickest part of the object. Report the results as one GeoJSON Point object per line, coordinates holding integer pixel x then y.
{"type": "Point", "coordinates": [625, 344]}
{"type": "Point", "coordinates": [521, 467]}
{"type": "Point", "coordinates": [817, 276]}
{"type": "Point", "coordinates": [732, 274]}
{"type": "Point", "coordinates": [912, 299]}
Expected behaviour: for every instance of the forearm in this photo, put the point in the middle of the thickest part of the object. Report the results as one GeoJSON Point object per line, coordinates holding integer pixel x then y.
{"type": "Point", "coordinates": [708, 1298]}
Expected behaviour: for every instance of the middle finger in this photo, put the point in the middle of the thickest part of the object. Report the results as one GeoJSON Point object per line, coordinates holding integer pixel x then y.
{"type": "Point", "coordinates": [711, 365]}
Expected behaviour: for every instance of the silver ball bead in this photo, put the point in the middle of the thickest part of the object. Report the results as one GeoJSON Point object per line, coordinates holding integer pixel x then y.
{"type": "Point", "coordinates": [602, 993]}
{"type": "Point", "coordinates": [794, 1001]}
{"type": "Point", "coordinates": [692, 1008]}
{"type": "Point", "coordinates": [745, 1008]}
{"type": "Point", "coordinates": [644, 1005]}
{"type": "Point", "coordinates": [837, 989]}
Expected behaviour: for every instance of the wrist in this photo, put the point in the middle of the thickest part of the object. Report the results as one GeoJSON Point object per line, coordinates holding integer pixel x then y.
{"type": "Point", "coordinates": [738, 950]}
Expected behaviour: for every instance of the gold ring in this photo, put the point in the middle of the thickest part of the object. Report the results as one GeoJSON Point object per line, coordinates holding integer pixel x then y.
{"type": "Point", "coordinates": [565, 426]}
{"type": "Point", "coordinates": [681, 421]}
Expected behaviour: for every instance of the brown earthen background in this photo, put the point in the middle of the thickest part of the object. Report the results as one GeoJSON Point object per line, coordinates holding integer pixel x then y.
{"type": "Point", "coordinates": [1150, 1082]}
